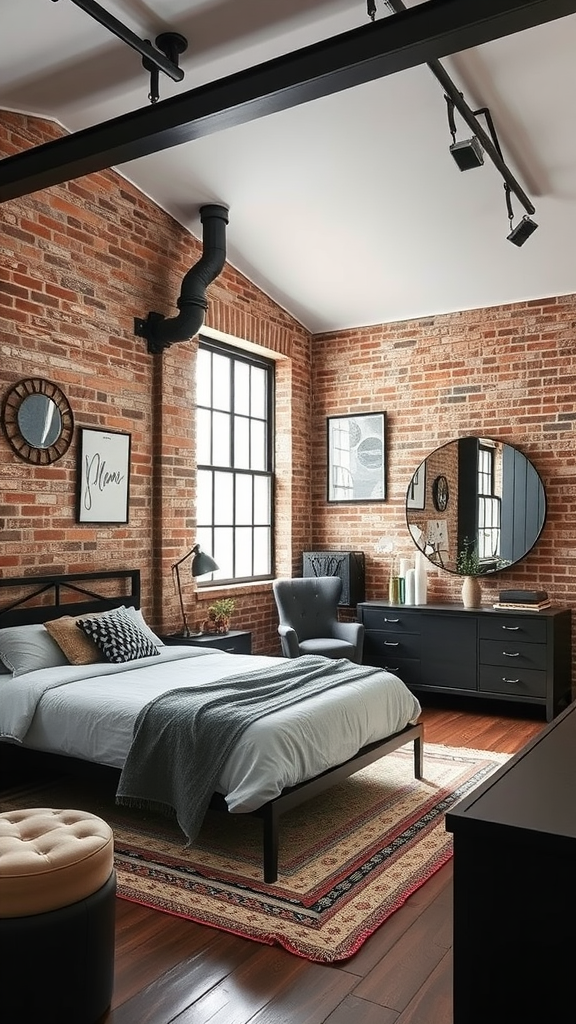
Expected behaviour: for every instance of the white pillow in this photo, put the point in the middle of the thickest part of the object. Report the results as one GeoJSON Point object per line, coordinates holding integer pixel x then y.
{"type": "Point", "coordinates": [28, 648]}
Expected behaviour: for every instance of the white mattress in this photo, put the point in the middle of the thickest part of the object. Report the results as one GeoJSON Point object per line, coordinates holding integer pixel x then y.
{"type": "Point", "coordinates": [89, 712]}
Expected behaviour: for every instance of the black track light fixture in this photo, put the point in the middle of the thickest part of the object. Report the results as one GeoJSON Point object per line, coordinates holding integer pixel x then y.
{"type": "Point", "coordinates": [522, 231]}
{"type": "Point", "coordinates": [526, 227]}
{"type": "Point", "coordinates": [469, 152]}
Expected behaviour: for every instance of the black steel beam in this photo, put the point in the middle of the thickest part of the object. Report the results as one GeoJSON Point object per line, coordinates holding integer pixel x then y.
{"type": "Point", "coordinates": [421, 34]}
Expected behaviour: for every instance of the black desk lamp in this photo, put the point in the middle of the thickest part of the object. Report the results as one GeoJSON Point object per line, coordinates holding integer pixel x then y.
{"type": "Point", "coordinates": [201, 564]}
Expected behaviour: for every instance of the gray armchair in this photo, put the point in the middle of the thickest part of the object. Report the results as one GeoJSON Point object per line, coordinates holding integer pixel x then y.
{"type": "Point", "coordinates": [308, 612]}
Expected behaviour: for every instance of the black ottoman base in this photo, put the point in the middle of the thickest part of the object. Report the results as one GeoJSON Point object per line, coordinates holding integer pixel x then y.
{"type": "Point", "coordinates": [58, 967]}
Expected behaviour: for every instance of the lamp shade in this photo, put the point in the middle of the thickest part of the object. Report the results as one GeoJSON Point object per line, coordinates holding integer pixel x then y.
{"type": "Point", "coordinates": [202, 563]}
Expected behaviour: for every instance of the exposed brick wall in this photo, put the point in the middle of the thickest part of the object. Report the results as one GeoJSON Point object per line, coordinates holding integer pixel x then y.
{"type": "Point", "coordinates": [79, 262]}
{"type": "Point", "coordinates": [507, 372]}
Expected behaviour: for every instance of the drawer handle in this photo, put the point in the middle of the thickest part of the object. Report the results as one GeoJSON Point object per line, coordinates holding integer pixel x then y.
{"type": "Point", "coordinates": [504, 680]}
{"type": "Point", "coordinates": [508, 654]}
{"type": "Point", "coordinates": [391, 643]}
{"type": "Point", "coordinates": [512, 629]}
{"type": "Point", "coordinates": [391, 620]}
{"type": "Point", "coordinates": [392, 668]}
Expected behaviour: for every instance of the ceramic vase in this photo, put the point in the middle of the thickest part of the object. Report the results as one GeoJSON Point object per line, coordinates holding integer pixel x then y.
{"type": "Point", "coordinates": [394, 590]}
{"type": "Point", "coordinates": [471, 592]}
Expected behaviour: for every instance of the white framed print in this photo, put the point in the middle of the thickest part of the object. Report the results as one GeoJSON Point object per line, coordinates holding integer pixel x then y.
{"type": "Point", "coordinates": [103, 476]}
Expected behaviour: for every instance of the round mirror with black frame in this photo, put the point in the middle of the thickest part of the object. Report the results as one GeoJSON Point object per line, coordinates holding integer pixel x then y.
{"type": "Point", "coordinates": [37, 420]}
{"type": "Point", "coordinates": [475, 506]}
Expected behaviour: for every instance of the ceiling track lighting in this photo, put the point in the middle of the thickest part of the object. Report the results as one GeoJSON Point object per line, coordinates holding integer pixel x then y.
{"type": "Point", "coordinates": [470, 152]}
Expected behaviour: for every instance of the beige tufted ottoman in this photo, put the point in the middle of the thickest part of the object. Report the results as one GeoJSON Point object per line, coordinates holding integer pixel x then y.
{"type": "Point", "coordinates": [57, 900]}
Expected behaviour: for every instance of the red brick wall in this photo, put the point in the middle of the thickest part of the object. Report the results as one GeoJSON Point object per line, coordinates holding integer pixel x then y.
{"type": "Point", "coordinates": [78, 263]}
{"type": "Point", "coordinates": [509, 373]}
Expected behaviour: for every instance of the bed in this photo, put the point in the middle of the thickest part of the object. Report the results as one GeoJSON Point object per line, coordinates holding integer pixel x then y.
{"type": "Point", "coordinates": [59, 703]}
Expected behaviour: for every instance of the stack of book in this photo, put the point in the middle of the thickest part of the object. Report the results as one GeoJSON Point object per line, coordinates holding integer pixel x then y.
{"type": "Point", "coordinates": [524, 600]}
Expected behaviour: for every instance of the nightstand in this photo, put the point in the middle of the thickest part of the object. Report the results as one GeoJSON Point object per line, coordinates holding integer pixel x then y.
{"type": "Point", "coordinates": [235, 641]}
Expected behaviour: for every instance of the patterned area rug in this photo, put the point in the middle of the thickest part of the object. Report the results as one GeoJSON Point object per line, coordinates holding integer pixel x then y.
{"type": "Point", "coordinates": [348, 858]}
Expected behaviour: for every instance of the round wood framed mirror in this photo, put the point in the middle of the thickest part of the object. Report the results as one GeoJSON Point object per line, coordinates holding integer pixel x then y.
{"type": "Point", "coordinates": [37, 420]}
{"type": "Point", "coordinates": [475, 506]}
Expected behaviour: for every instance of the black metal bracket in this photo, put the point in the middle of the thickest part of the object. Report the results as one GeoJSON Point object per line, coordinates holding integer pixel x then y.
{"type": "Point", "coordinates": [170, 44]}
{"type": "Point", "coordinates": [145, 329]}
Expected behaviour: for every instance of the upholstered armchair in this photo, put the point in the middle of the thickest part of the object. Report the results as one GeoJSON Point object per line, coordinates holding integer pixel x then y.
{"type": "Point", "coordinates": [308, 612]}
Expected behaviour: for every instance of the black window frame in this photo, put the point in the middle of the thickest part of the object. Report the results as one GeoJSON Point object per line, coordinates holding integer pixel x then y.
{"type": "Point", "coordinates": [251, 359]}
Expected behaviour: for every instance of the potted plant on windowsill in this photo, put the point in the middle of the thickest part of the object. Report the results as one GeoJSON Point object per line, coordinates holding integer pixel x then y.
{"type": "Point", "coordinates": [219, 613]}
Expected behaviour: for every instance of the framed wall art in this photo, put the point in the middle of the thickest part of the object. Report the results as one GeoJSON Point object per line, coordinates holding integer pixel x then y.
{"type": "Point", "coordinates": [103, 476]}
{"type": "Point", "coordinates": [357, 457]}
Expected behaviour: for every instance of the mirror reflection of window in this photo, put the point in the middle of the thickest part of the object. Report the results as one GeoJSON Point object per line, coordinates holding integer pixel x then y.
{"type": "Point", "coordinates": [495, 511]}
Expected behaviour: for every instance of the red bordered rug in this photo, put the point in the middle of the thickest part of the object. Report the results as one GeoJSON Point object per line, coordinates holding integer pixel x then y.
{"type": "Point", "coordinates": [348, 858]}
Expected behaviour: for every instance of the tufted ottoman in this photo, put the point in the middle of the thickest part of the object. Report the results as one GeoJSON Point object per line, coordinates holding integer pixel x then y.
{"type": "Point", "coordinates": [57, 901]}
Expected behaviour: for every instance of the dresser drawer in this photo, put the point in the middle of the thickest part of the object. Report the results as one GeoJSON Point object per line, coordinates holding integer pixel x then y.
{"type": "Point", "coordinates": [394, 620]}
{"type": "Point", "coordinates": [530, 630]}
{"type": "Point", "coordinates": [390, 645]}
{"type": "Point", "coordinates": [525, 682]}
{"type": "Point", "coordinates": [407, 669]}
{"type": "Point", "coordinates": [511, 654]}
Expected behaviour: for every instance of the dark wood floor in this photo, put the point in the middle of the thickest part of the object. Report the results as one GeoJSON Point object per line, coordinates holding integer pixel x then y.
{"type": "Point", "coordinates": [168, 969]}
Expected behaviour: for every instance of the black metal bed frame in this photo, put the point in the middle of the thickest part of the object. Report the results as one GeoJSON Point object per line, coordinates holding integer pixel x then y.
{"type": "Point", "coordinates": [59, 587]}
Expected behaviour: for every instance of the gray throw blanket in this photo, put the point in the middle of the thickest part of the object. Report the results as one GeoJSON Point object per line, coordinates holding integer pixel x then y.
{"type": "Point", "coordinates": [183, 738]}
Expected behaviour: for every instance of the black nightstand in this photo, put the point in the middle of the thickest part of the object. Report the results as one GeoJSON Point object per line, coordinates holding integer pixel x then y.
{"type": "Point", "coordinates": [236, 641]}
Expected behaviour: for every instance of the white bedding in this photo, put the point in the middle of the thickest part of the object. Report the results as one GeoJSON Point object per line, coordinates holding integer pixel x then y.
{"type": "Point", "coordinates": [89, 711]}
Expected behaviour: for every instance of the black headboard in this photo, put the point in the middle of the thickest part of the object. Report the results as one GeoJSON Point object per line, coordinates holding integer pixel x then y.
{"type": "Point", "coordinates": [39, 598]}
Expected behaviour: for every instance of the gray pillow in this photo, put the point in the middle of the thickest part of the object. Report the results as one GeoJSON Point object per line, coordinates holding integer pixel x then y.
{"type": "Point", "coordinates": [29, 648]}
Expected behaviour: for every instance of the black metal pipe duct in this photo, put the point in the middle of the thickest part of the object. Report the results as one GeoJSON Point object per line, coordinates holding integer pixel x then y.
{"type": "Point", "coordinates": [161, 332]}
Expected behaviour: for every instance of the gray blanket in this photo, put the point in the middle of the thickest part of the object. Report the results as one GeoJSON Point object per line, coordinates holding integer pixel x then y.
{"type": "Point", "coordinates": [183, 738]}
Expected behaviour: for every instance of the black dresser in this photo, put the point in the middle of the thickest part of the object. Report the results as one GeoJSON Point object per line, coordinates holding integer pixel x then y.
{"type": "Point", "coordinates": [484, 652]}
{"type": "Point", "coordinates": [514, 894]}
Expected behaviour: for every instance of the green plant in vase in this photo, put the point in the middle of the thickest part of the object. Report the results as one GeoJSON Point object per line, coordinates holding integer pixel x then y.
{"type": "Point", "coordinates": [468, 563]}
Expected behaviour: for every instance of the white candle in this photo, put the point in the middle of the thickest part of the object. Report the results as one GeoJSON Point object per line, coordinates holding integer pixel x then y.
{"type": "Point", "coordinates": [421, 580]}
{"type": "Point", "coordinates": [410, 587]}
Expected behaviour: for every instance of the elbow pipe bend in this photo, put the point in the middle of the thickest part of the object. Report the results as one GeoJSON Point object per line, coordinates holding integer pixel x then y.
{"type": "Point", "coordinates": [160, 331]}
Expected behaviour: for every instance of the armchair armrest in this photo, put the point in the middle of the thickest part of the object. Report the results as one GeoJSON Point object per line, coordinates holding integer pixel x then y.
{"type": "Point", "coordinates": [353, 632]}
{"type": "Point", "coordinates": [289, 641]}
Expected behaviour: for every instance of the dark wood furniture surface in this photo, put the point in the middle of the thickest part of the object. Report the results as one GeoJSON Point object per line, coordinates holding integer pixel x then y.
{"type": "Point", "coordinates": [235, 641]}
{"type": "Point", "coordinates": [511, 655]}
{"type": "Point", "coordinates": [514, 894]}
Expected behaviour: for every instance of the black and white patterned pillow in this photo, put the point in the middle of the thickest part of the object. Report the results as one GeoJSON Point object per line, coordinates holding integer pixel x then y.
{"type": "Point", "coordinates": [118, 637]}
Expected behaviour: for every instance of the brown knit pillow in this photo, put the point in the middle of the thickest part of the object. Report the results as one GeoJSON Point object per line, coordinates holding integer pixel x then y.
{"type": "Point", "coordinates": [78, 648]}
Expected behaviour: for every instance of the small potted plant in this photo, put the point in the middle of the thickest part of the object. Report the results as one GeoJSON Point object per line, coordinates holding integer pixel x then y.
{"type": "Point", "coordinates": [468, 565]}
{"type": "Point", "coordinates": [219, 613]}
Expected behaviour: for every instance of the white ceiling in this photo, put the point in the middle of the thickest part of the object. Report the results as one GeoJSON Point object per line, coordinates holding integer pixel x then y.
{"type": "Point", "coordinates": [347, 210]}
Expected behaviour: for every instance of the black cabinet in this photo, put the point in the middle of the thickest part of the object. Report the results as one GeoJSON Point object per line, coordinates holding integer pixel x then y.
{"type": "Point", "coordinates": [514, 898]}
{"type": "Point", "coordinates": [505, 655]}
{"type": "Point", "coordinates": [235, 641]}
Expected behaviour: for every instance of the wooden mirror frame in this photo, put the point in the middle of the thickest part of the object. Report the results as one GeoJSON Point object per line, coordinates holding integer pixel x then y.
{"type": "Point", "coordinates": [15, 397]}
